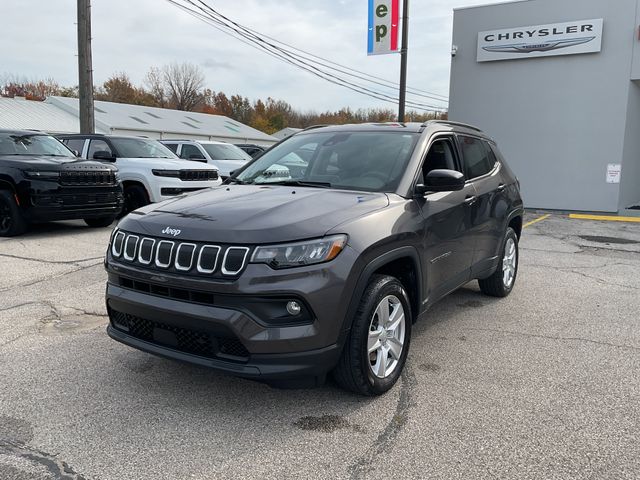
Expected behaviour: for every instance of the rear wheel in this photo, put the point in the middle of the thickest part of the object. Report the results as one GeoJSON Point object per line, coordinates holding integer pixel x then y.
{"type": "Point", "coordinates": [99, 222]}
{"type": "Point", "coordinates": [12, 222]}
{"type": "Point", "coordinates": [135, 196]}
{"type": "Point", "coordinates": [502, 281]}
{"type": "Point", "coordinates": [377, 347]}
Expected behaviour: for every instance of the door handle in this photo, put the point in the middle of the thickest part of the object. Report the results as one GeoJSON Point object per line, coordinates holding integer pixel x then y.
{"type": "Point", "coordinates": [501, 187]}
{"type": "Point", "coordinates": [470, 200]}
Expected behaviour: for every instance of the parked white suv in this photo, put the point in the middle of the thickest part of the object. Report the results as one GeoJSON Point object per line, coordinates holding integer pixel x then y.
{"type": "Point", "coordinates": [149, 171]}
{"type": "Point", "coordinates": [224, 156]}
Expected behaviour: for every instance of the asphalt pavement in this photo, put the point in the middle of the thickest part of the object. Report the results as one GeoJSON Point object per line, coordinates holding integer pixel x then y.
{"type": "Point", "coordinates": [542, 384]}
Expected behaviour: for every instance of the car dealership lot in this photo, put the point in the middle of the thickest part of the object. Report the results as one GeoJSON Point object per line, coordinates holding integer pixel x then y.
{"type": "Point", "coordinates": [542, 384]}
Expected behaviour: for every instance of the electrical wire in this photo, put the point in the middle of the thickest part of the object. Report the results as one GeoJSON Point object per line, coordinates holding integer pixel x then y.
{"type": "Point", "coordinates": [209, 15]}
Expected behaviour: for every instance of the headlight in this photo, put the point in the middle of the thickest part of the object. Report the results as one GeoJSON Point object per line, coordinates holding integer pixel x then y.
{"type": "Point", "coordinates": [300, 253]}
{"type": "Point", "coordinates": [42, 175]}
{"type": "Point", "coordinates": [166, 173]}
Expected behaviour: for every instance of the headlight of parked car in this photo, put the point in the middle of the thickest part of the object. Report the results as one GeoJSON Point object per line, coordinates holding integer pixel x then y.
{"type": "Point", "coordinates": [42, 175]}
{"type": "Point", "coordinates": [300, 253]}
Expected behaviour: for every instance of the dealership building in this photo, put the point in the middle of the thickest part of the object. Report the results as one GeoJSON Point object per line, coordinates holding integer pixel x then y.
{"type": "Point", "coordinates": [557, 84]}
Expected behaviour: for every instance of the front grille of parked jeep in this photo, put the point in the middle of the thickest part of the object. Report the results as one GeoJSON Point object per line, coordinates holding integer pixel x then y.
{"type": "Point", "coordinates": [193, 258]}
{"type": "Point", "coordinates": [185, 340]}
{"type": "Point", "coordinates": [83, 178]}
{"type": "Point", "coordinates": [198, 175]}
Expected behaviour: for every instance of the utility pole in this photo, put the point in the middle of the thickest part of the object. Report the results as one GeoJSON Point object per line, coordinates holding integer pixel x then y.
{"type": "Point", "coordinates": [403, 60]}
{"type": "Point", "coordinates": [85, 69]}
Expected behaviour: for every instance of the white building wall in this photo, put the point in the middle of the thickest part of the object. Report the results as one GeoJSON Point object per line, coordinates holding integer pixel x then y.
{"type": "Point", "coordinates": [558, 120]}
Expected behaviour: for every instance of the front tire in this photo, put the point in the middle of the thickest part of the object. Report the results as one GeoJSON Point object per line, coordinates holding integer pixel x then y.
{"type": "Point", "coordinates": [503, 279]}
{"type": "Point", "coordinates": [12, 222]}
{"type": "Point", "coordinates": [99, 222]}
{"type": "Point", "coordinates": [377, 347]}
{"type": "Point", "coordinates": [135, 196]}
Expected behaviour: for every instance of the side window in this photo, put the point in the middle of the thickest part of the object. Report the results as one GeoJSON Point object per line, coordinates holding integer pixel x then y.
{"type": "Point", "coordinates": [491, 155]}
{"type": "Point", "coordinates": [476, 157]}
{"type": "Point", "coordinates": [439, 157]}
{"type": "Point", "coordinates": [191, 152]}
{"type": "Point", "coordinates": [76, 144]}
{"type": "Point", "coordinates": [172, 146]}
{"type": "Point", "coordinates": [98, 146]}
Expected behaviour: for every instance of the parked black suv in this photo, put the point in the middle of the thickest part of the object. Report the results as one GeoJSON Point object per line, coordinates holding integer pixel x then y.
{"type": "Point", "coordinates": [42, 180]}
{"type": "Point", "coordinates": [322, 265]}
{"type": "Point", "coordinates": [251, 149]}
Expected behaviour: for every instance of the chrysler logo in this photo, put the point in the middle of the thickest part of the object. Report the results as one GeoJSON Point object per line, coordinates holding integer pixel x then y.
{"type": "Point", "coordinates": [172, 231]}
{"type": "Point", "coordinates": [538, 46]}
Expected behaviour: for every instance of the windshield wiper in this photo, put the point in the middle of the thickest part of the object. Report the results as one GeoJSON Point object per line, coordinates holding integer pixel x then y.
{"type": "Point", "coordinates": [299, 183]}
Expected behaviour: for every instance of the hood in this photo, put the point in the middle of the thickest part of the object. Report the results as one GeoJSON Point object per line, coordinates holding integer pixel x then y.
{"type": "Point", "coordinates": [252, 214]}
{"type": "Point", "coordinates": [35, 162]}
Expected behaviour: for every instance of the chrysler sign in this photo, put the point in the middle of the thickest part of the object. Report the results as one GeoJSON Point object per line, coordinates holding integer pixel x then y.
{"type": "Point", "coordinates": [569, 38]}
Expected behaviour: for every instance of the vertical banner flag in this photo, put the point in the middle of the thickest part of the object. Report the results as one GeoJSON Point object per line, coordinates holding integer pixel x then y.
{"type": "Point", "coordinates": [384, 17]}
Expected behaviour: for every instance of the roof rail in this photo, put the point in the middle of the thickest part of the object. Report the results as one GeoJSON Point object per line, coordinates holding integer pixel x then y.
{"type": "Point", "coordinates": [449, 122]}
{"type": "Point", "coordinates": [313, 127]}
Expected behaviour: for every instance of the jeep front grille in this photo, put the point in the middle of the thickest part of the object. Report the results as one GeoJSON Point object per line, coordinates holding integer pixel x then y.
{"type": "Point", "coordinates": [226, 261]}
{"type": "Point", "coordinates": [198, 175]}
{"type": "Point", "coordinates": [83, 178]}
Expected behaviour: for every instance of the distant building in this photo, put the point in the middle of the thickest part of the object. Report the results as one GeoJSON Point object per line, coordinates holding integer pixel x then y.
{"type": "Point", "coordinates": [60, 115]}
{"type": "Point", "coordinates": [286, 132]}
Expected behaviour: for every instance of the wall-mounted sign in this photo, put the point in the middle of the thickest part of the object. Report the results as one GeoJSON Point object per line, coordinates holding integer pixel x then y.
{"type": "Point", "coordinates": [570, 38]}
{"type": "Point", "coordinates": [384, 16]}
{"type": "Point", "coordinates": [614, 172]}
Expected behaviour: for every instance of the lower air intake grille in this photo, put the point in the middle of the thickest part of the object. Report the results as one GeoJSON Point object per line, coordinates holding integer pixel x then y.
{"type": "Point", "coordinates": [183, 339]}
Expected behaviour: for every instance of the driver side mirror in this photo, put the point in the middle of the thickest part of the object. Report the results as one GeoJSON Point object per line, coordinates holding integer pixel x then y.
{"type": "Point", "coordinates": [441, 181]}
{"type": "Point", "coordinates": [104, 155]}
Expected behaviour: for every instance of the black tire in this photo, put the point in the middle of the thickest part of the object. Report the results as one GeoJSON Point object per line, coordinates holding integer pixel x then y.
{"type": "Point", "coordinates": [99, 222]}
{"type": "Point", "coordinates": [354, 371]}
{"type": "Point", "coordinates": [12, 222]}
{"type": "Point", "coordinates": [495, 285]}
{"type": "Point", "coordinates": [135, 196]}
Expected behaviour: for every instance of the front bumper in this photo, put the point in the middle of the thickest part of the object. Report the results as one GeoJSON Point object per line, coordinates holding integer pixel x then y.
{"type": "Point", "coordinates": [73, 203]}
{"type": "Point", "coordinates": [228, 338]}
{"type": "Point", "coordinates": [165, 188]}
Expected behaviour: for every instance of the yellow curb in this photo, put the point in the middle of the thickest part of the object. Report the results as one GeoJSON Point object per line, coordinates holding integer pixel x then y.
{"type": "Point", "coordinates": [604, 218]}
{"type": "Point", "coordinates": [539, 219]}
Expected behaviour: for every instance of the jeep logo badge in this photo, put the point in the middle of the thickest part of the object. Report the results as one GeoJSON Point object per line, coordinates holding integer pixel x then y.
{"type": "Point", "coordinates": [172, 231]}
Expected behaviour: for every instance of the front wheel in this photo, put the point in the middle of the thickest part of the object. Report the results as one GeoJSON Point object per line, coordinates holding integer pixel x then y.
{"type": "Point", "coordinates": [377, 347]}
{"type": "Point", "coordinates": [503, 279]}
{"type": "Point", "coordinates": [12, 222]}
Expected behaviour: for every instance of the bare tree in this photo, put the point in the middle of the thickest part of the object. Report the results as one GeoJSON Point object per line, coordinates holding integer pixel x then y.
{"type": "Point", "coordinates": [154, 81]}
{"type": "Point", "coordinates": [183, 85]}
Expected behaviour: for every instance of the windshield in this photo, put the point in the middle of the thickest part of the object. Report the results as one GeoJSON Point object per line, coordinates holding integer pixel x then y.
{"type": "Point", "coordinates": [141, 148]}
{"type": "Point", "coordinates": [33, 144]}
{"type": "Point", "coordinates": [225, 152]}
{"type": "Point", "coordinates": [369, 161]}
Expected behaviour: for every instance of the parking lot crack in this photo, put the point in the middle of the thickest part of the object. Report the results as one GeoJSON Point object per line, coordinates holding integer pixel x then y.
{"type": "Point", "coordinates": [58, 469]}
{"type": "Point", "coordinates": [556, 338]}
{"type": "Point", "coordinates": [52, 262]}
{"type": "Point", "coordinates": [53, 277]}
{"type": "Point", "coordinates": [364, 464]}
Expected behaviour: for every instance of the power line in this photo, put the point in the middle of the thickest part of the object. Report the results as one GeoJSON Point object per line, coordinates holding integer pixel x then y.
{"type": "Point", "coordinates": [237, 31]}
{"type": "Point", "coordinates": [248, 34]}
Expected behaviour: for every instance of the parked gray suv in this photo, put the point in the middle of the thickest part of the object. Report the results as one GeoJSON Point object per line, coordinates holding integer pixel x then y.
{"type": "Point", "coordinates": [320, 255]}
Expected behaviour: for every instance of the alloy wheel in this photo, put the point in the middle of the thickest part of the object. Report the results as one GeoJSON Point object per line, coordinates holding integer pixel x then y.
{"type": "Point", "coordinates": [509, 263]}
{"type": "Point", "coordinates": [386, 336]}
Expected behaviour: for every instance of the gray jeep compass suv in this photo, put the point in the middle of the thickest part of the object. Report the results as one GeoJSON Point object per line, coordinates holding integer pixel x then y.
{"type": "Point", "coordinates": [319, 255]}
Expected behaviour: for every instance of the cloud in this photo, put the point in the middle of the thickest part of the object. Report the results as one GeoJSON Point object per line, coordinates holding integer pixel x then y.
{"type": "Point", "coordinates": [134, 36]}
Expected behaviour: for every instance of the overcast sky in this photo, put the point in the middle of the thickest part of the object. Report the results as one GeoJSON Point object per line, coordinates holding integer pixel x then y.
{"type": "Point", "coordinates": [39, 41]}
